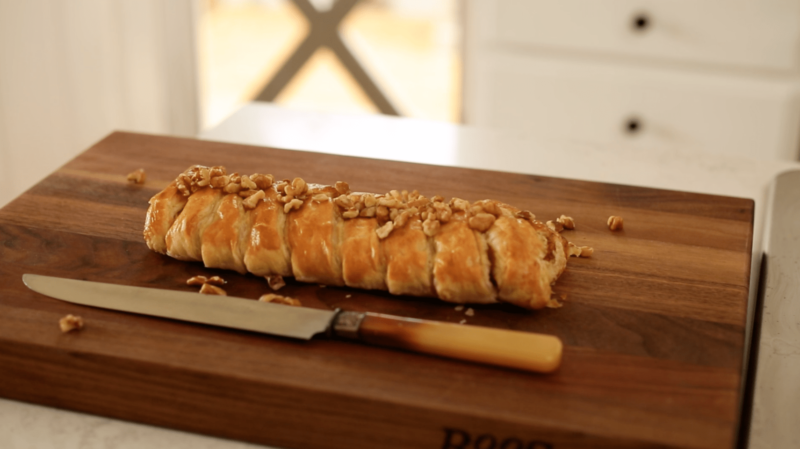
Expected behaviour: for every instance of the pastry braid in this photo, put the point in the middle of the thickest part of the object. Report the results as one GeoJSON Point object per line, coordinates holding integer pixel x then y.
{"type": "Point", "coordinates": [460, 252]}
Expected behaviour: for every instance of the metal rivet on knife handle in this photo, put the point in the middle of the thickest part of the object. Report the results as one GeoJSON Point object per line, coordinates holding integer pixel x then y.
{"type": "Point", "coordinates": [346, 324]}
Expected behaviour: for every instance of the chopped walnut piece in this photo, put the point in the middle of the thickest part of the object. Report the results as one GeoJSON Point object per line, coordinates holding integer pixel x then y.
{"type": "Point", "coordinates": [209, 289]}
{"type": "Point", "coordinates": [348, 296]}
{"type": "Point", "coordinates": [586, 251]}
{"type": "Point", "coordinates": [459, 308]}
{"type": "Point", "coordinates": [275, 281]}
{"type": "Point", "coordinates": [281, 187]}
{"type": "Point", "coordinates": [388, 202]}
{"type": "Point", "coordinates": [481, 222]}
{"type": "Point", "coordinates": [385, 230]}
{"type": "Point", "coordinates": [294, 204]}
{"type": "Point", "coordinates": [205, 177]}
{"type": "Point", "coordinates": [278, 299]}
{"type": "Point", "coordinates": [462, 321]}
{"type": "Point", "coordinates": [217, 170]}
{"type": "Point", "coordinates": [382, 213]}
{"type": "Point", "coordinates": [216, 280]}
{"type": "Point", "coordinates": [248, 183]}
{"type": "Point", "coordinates": [183, 183]}
{"type": "Point", "coordinates": [444, 214]}
{"type": "Point", "coordinates": [218, 182]}
{"type": "Point", "coordinates": [350, 214]}
{"type": "Point", "coordinates": [369, 212]}
{"type": "Point", "coordinates": [573, 250]}
{"type": "Point", "coordinates": [70, 323]}
{"type": "Point", "coordinates": [437, 199]}
{"type": "Point", "coordinates": [555, 226]}
{"type": "Point", "coordinates": [565, 221]}
{"type": "Point", "coordinates": [344, 202]}
{"type": "Point", "coordinates": [553, 303]}
{"type": "Point", "coordinates": [615, 223]}
{"type": "Point", "coordinates": [491, 207]}
{"type": "Point", "coordinates": [197, 280]}
{"type": "Point", "coordinates": [320, 197]}
{"type": "Point", "coordinates": [236, 178]}
{"type": "Point", "coordinates": [469, 312]}
{"type": "Point", "coordinates": [191, 175]}
{"type": "Point", "coordinates": [402, 219]}
{"type": "Point", "coordinates": [299, 186]}
{"type": "Point", "coordinates": [431, 226]}
{"type": "Point", "coordinates": [252, 201]}
{"type": "Point", "coordinates": [419, 202]}
{"type": "Point", "coordinates": [247, 193]}
{"type": "Point", "coordinates": [137, 176]}
{"type": "Point", "coordinates": [369, 200]}
{"type": "Point", "coordinates": [526, 215]}
{"type": "Point", "coordinates": [232, 187]}
{"type": "Point", "coordinates": [342, 187]}
{"type": "Point", "coordinates": [262, 182]}
{"type": "Point", "coordinates": [459, 204]}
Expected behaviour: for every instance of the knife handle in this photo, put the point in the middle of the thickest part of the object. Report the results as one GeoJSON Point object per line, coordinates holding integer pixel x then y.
{"type": "Point", "coordinates": [513, 349]}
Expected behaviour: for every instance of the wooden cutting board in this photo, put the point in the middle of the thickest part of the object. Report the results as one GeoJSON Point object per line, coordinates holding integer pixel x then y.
{"type": "Point", "coordinates": [653, 323]}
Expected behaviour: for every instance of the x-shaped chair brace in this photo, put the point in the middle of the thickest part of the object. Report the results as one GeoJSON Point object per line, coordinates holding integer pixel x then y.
{"type": "Point", "coordinates": [324, 31]}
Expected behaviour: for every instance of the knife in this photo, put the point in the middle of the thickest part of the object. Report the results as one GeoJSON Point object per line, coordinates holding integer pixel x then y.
{"type": "Point", "coordinates": [512, 349]}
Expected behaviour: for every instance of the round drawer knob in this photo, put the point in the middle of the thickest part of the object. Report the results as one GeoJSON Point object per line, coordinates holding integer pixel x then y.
{"type": "Point", "coordinates": [641, 22]}
{"type": "Point", "coordinates": [633, 125]}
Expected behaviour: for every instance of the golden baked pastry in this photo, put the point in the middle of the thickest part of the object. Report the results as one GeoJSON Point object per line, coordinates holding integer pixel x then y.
{"type": "Point", "coordinates": [460, 252]}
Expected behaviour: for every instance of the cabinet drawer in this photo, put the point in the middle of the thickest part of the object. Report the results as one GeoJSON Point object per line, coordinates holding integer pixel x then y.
{"type": "Point", "coordinates": [752, 33]}
{"type": "Point", "coordinates": [631, 105]}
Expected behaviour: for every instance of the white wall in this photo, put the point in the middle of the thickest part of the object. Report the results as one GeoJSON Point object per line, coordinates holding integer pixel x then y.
{"type": "Point", "coordinates": [72, 71]}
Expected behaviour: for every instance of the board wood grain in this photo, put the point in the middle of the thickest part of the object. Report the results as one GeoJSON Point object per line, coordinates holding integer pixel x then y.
{"type": "Point", "coordinates": [653, 324]}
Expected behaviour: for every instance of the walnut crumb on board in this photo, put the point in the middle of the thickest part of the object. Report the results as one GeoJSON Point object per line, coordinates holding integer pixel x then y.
{"type": "Point", "coordinates": [70, 323]}
{"type": "Point", "coordinates": [469, 312]}
{"type": "Point", "coordinates": [210, 289]}
{"type": "Point", "coordinates": [615, 223]}
{"type": "Point", "coordinates": [216, 280]}
{"type": "Point", "coordinates": [459, 308]}
{"type": "Point", "coordinates": [137, 176]}
{"type": "Point", "coordinates": [462, 321]}
{"type": "Point", "coordinates": [554, 303]}
{"type": "Point", "coordinates": [567, 222]}
{"type": "Point", "coordinates": [573, 250]}
{"type": "Point", "coordinates": [275, 282]}
{"type": "Point", "coordinates": [579, 251]}
{"type": "Point", "coordinates": [278, 299]}
{"type": "Point", "coordinates": [200, 280]}
{"type": "Point", "coordinates": [348, 296]}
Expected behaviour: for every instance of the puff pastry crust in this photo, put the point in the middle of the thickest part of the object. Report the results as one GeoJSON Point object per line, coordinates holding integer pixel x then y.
{"type": "Point", "coordinates": [457, 251]}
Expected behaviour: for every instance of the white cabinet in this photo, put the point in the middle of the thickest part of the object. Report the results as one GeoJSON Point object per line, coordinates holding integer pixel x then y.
{"type": "Point", "coordinates": [717, 76]}
{"type": "Point", "coordinates": [72, 72]}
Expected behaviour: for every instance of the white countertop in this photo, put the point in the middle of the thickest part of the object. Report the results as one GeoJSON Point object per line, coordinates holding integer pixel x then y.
{"type": "Point", "coordinates": [382, 137]}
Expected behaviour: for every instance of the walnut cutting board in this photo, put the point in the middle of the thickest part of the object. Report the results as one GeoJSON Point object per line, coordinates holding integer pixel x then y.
{"type": "Point", "coordinates": [653, 323]}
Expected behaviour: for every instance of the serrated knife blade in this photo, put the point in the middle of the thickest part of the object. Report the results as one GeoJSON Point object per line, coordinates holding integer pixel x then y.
{"type": "Point", "coordinates": [226, 311]}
